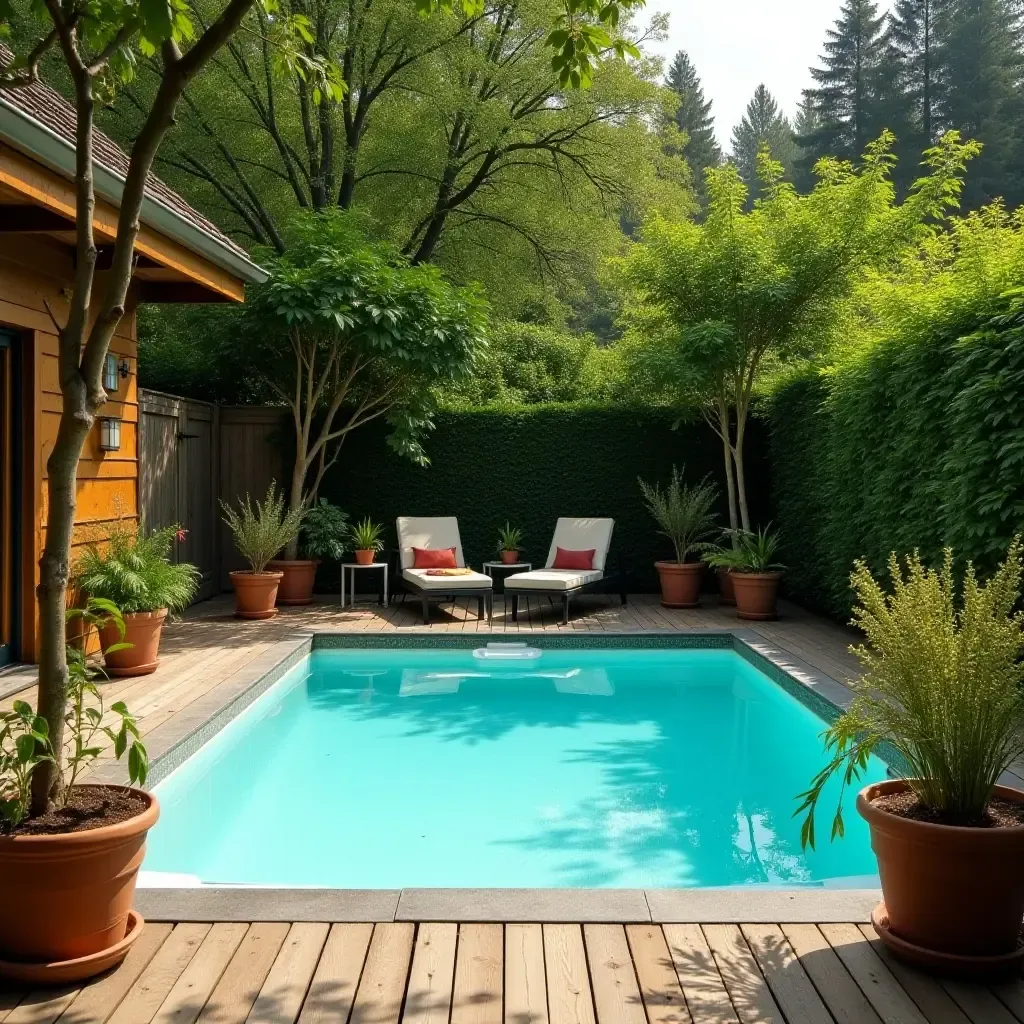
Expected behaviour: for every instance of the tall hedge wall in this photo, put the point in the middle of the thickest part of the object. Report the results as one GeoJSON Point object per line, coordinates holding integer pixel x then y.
{"type": "Point", "coordinates": [532, 465]}
{"type": "Point", "coordinates": [907, 445]}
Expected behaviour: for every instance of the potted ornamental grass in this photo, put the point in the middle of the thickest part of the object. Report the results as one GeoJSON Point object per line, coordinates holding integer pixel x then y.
{"type": "Point", "coordinates": [723, 559]}
{"type": "Point", "coordinates": [322, 535]}
{"type": "Point", "coordinates": [134, 572]}
{"type": "Point", "coordinates": [943, 688]}
{"type": "Point", "coordinates": [69, 871]}
{"type": "Point", "coordinates": [509, 540]}
{"type": "Point", "coordinates": [366, 538]}
{"type": "Point", "coordinates": [754, 573]}
{"type": "Point", "coordinates": [260, 529]}
{"type": "Point", "coordinates": [684, 515]}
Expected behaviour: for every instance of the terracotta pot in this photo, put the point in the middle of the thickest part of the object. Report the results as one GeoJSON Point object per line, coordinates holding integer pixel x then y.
{"type": "Point", "coordinates": [68, 896]}
{"type": "Point", "coordinates": [255, 594]}
{"type": "Point", "coordinates": [365, 556]}
{"type": "Point", "coordinates": [142, 630]}
{"type": "Point", "coordinates": [726, 594]}
{"type": "Point", "coordinates": [680, 583]}
{"type": "Point", "coordinates": [510, 557]}
{"type": "Point", "coordinates": [949, 889]}
{"type": "Point", "coordinates": [296, 580]}
{"type": "Point", "coordinates": [756, 593]}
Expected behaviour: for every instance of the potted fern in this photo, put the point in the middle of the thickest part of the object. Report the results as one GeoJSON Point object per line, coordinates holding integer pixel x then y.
{"type": "Point", "coordinates": [322, 535]}
{"type": "Point", "coordinates": [685, 516]}
{"type": "Point", "coordinates": [135, 573]}
{"type": "Point", "coordinates": [366, 538]}
{"type": "Point", "coordinates": [943, 687]}
{"type": "Point", "coordinates": [755, 574]}
{"type": "Point", "coordinates": [261, 529]}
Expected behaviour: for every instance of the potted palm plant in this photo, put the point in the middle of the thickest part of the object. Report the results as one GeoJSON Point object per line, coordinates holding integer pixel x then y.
{"type": "Point", "coordinates": [509, 539]}
{"type": "Point", "coordinates": [69, 872]}
{"type": "Point", "coordinates": [685, 516]}
{"type": "Point", "coordinates": [943, 687]}
{"type": "Point", "coordinates": [322, 535]}
{"type": "Point", "coordinates": [366, 539]}
{"type": "Point", "coordinates": [135, 573]}
{"type": "Point", "coordinates": [755, 574]}
{"type": "Point", "coordinates": [260, 529]}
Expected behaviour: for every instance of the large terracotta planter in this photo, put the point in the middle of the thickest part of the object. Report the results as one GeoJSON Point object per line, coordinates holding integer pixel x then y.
{"type": "Point", "coordinates": [297, 577]}
{"type": "Point", "coordinates": [955, 891]}
{"type": "Point", "coordinates": [255, 594]}
{"type": "Point", "coordinates": [756, 594]}
{"type": "Point", "coordinates": [726, 593]}
{"type": "Point", "coordinates": [680, 583]}
{"type": "Point", "coordinates": [142, 630]}
{"type": "Point", "coordinates": [67, 896]}
{"type": "Point", "coordinates": [509, 557]}
{"type": "Point", "coordinates": [365, 556]}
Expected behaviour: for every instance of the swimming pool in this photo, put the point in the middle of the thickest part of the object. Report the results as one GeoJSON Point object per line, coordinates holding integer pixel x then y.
{"type": "Point", "coordinates": [574, 767]}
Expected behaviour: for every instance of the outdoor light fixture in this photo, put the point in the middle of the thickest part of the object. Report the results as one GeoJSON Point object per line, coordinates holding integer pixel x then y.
{"type": "Point", "coordinates": [125, 368]}
{"type": "Point", "coordinates": [110, 373]}
{"type": "Point", "coordinates": [110, 433]}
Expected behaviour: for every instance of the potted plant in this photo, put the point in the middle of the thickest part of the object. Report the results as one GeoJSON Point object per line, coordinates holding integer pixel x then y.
{"type": "Point", "coordinates": [723, 559]}
{"type": "Point", "coordinates": [509, 539]}
{"type": "Point", "coordinates": [322, 535]}
{"type": "Point", "coordinates": [366, 540]}
{"type": "Point", "coordinates": [685, 517]}
{"type": "Point", "coordinates": [755, 576]}
{"type": "Point", "coordinates": [135, 573]}
{"type": "Point", "coordinates": [69, 873]}
{"type": "Point", "coordinates": [260, 530]}
{"type": "Point", "coordinates": [943, 687]}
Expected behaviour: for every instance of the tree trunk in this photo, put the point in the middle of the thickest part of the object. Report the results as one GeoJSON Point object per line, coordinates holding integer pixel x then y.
{"type": "Point", "coordinates": [295, 499]}
{"type": "Point", "coordinates": [730, 481]}
{"type": "Point", "coordinates": [741, 482]}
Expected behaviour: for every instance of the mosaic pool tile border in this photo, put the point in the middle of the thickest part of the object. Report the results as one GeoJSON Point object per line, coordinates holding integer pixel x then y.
{"type": "Point", "coordinates": [713, 638]}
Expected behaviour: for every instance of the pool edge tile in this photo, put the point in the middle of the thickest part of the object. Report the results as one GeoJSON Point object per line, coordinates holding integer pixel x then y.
{"type": "Point", "coordinates": [240, 903]}
{"type": "Point", "coordinates": [759, 906]}
{"type": "Point", "coordinates": [524, 905]}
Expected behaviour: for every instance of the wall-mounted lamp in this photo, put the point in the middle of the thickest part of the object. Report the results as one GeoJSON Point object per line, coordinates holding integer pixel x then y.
{"type": "Point", "coordinates": [112, 369]}
{"type": "Point", "coordinates": [124, 369]}
{"type": "Point", "coordinates": [110, 433]}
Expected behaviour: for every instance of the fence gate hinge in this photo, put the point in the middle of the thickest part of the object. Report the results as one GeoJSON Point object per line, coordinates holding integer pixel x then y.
{"type": "Point", "coordinates": [185, 437]}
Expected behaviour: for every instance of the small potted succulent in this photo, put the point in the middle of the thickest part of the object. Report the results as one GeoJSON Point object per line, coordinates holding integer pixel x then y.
{"type": "Point", "coordinates": [69, 867]}
{"type": "Point", "coordinates": [135, 573]}
{"type": "Point", "coordinates": [261, 530]}
{"type": "Point", "coordinates": [943, 687]}
{"type": "Point", "coordinates": [366, 539]}
{"type": "Point", "coordinates": [685, 516]}
{"type": "Point", "coordinates": [509, 539]}
{"type": "Point", "coordinates": [755, 575]}
{"type": "Point", "coordinates": [322, 535]}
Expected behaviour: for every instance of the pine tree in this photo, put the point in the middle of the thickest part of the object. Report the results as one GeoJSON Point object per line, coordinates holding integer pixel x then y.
{"type": "Point", "coordinates": [897, 102]}
{"type": "Point", "coordinates": [693, 116]}
{"type": "Point", "coordinates": [912, 40]}
{"type": "Point", "coordinates": [762, 124]}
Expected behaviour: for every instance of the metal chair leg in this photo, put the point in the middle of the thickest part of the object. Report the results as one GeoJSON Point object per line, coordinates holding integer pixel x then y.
{"type": "Point", "coordinates": [565, 610]}
{"type": "Point", "coordinates": [426, 611]}
{"type": "Point", "coordinates": [515, 607]}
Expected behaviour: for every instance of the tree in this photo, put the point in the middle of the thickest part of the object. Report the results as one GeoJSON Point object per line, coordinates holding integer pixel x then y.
{"type": "Point", "coordinates": [693, 118]}
{"type": "Point", "coordinates": [716, 305]}
{"type": "Point", "coordinates": [762, 125]}
{"type": "Point", "coordinates": [804, 126]}
{"type": "Point", "coordinates": [913, 43]}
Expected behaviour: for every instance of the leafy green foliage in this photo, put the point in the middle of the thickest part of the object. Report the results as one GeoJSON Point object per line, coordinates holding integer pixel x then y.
{"type": "Point", "coordinates": [510, 538]}
{"type": "Point", "coordinates": [262, 528]}
{"type": "Point", "coordinates": [683, 512]}
{"type": "Point", "coordinates": [324, 531]}
{"type": "Point", "coordinates": [366, 535]}
{"type": "Point", "coordinates": [24, 743]}
{"type": "Point", "coordinates": [754, 551]}
{"type": "Point", "coordinates": [943, 684]}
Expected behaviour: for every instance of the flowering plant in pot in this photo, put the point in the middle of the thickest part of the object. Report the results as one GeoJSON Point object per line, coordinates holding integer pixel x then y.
{"type": "Point", "coordinates": [322, 535]}
{"type": "Point", "coordinates": [366, 539]}
{"type": "Point", "coordinates": [509, 540]}
{"type": "Point", "coordinates": [134, 572]}
{"type": "Point", "coordinates": [685, 516]}
{"type": "Point", "coordinates": [943, 687]}
{"type": "Point", "coordinates": [755, 574]}
{"type": "Point", "coordinates": [260, 530]}
{"type": "Point", "coordinates": [69, 872]}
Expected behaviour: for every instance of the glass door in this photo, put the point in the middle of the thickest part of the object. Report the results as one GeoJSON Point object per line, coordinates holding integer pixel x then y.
{"type": "Point", "coordinates": [10, 475]}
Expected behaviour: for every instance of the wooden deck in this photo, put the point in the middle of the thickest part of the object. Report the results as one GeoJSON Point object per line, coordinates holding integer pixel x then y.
{"type": "Point", "coordinates": [443, 973]}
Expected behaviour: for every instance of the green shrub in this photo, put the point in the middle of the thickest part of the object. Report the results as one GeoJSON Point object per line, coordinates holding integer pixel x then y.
{"type": "Point", "coordinates": [262, 528]}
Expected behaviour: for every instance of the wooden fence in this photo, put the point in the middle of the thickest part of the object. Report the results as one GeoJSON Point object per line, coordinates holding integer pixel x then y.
{"type": "Point", "coordinates": [194, 454]}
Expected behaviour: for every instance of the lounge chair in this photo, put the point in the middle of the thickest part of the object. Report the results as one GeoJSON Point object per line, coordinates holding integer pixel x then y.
{"type": "Point", "coordinates": [438, 533]}
{"type": "Point", "coordinates": [574, 535]}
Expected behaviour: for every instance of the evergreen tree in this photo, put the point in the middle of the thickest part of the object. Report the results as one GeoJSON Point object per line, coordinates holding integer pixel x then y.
{"type": "Point", "coordinates": [762, 124]}
{"type": "Point", "coordinates": [693, 116]}
{"type": "Point", "coordinates": [897, 94]}
{"type": "Point", "coordinates": [913, 42]}
{"type": "Point", "coordinates": [804, 127]}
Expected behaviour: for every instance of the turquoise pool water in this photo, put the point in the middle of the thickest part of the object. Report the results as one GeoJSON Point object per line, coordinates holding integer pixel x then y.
{"type": "Point", "coordinates": [393, 768]}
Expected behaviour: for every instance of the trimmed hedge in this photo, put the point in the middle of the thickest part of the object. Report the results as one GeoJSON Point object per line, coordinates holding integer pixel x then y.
{"type": "Point", "coordinates": [907, 445]}
{"type": "Point", "coordinates": [530, 466]}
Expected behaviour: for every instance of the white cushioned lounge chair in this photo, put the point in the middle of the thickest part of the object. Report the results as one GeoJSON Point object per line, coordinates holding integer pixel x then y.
{"type": "Point", "coordinates": [435, 533]}
{"type": "Point", "coordinates": [571, 535]}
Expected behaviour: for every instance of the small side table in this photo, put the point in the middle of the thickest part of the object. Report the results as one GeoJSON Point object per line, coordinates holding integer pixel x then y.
{"type": "Point", "coordinates": [351, 567]}
{"type": "Point", "coordinates": [500, 571]}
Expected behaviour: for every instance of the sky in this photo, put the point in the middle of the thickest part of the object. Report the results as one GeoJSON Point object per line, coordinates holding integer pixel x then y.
{"type": "Point", "coordinates": [737, 44]}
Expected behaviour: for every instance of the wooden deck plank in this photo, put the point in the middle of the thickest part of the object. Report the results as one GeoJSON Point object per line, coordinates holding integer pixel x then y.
{"type": "Point", "coordinates": [839, 991]}
{"type": "Point", "coordinates": [979, 1003]}
{"type": "Point", "coordinates": [750, 995]}
{"type": "Point", "coordinates": [659, 986]}
{"type": "Point", "coordinates": [382, 985]}
{"type": "Point", "coordinates": [876, 981]}
{"type": "Point", "coordinates": [479, 980]}
{"type": "Point", "coordinates": [429, 998]}
{"type": "Point", "coordinates": [569, 998]}
{"type": "Point", "coordinates": [792, 988]}
{"type": "Point", "coordinates": [43, 1006]}
{"type": "Point", "coordinates": [333, 989]}
{"type": "Point", "coordinates": [234, 995]}
{"type": "Point", "coordinates": [526, 990]}
{"type": "Point", "coordinates": [280, 999]}
{"type": "Point", "coordinates": [695, 967]}
{"type": "Point", "coordinates": [612, 978]}
{"type": "Point", "coordinates": [1011, 993]}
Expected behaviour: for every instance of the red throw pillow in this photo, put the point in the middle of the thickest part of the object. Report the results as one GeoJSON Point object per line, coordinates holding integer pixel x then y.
{"type": "Point", "coordinates": [573, 559]}
{"type": "Point", "coordinates": [434, 558]}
